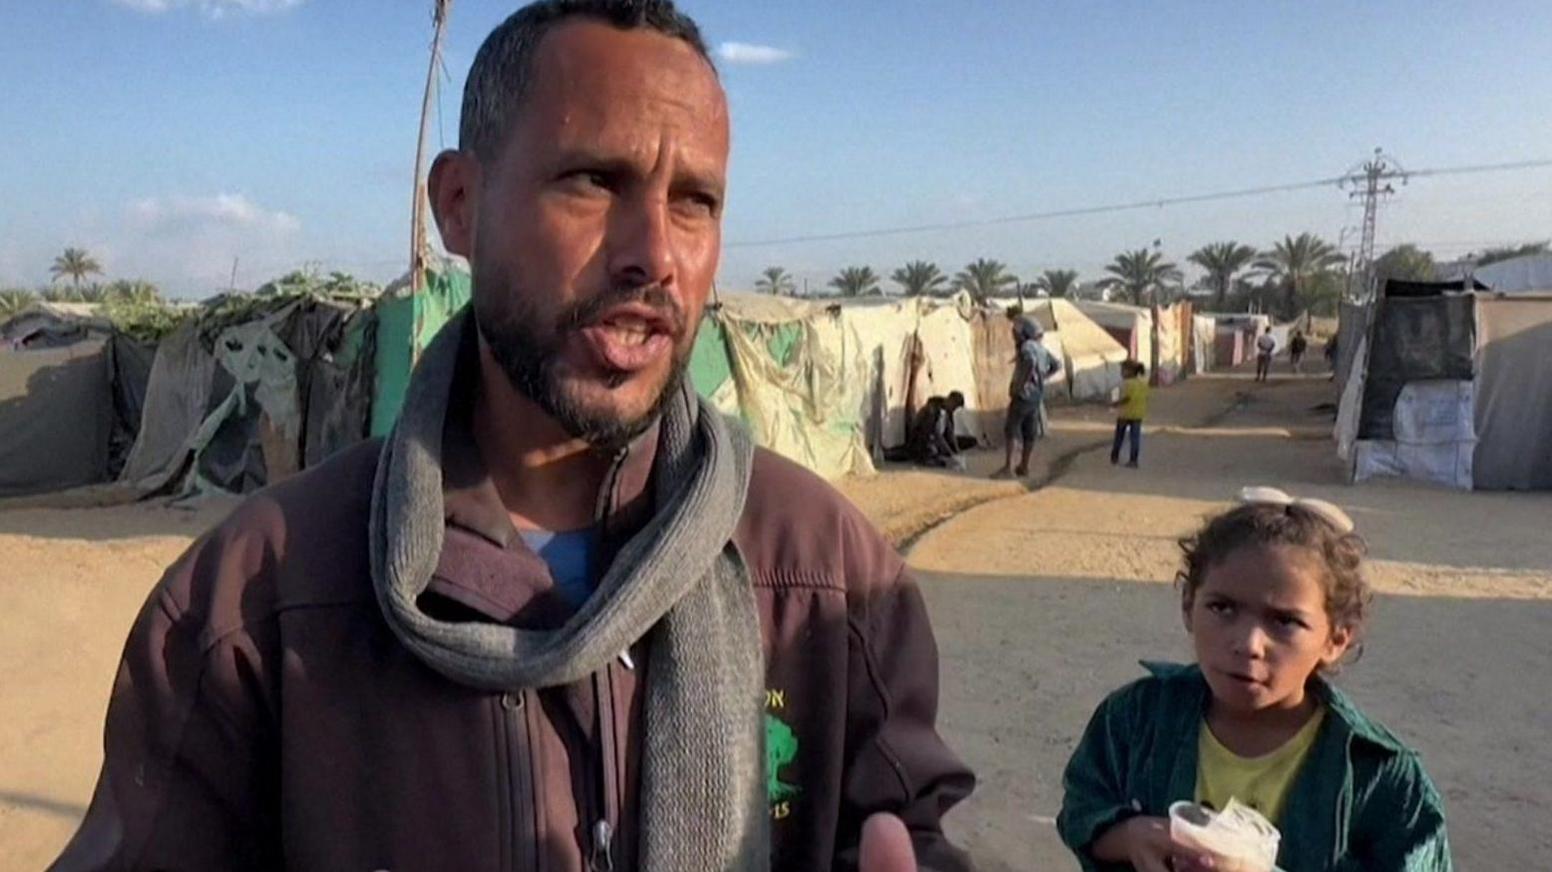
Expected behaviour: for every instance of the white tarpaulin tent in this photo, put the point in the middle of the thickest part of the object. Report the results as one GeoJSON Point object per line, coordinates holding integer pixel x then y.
{"type": "Point", "coordinates": [1454, 388]}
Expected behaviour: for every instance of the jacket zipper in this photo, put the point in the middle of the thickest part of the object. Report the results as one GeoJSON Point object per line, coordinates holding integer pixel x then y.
{"type": "Point", "coordinates": [521, 802]}
{"type": "Point", "coordinates": [606, 814]}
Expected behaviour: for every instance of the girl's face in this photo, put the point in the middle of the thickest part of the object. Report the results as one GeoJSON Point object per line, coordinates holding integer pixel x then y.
{"type": "Point", "coordinates": [1259, 623]}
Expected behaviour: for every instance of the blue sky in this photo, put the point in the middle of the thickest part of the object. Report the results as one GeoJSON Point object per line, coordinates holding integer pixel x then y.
{"type": "Point", "coordinates": [170, 136]}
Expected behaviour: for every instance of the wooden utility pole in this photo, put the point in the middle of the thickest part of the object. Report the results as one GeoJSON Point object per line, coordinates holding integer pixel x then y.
{"type": "Point", "coordinates": [419, 248]}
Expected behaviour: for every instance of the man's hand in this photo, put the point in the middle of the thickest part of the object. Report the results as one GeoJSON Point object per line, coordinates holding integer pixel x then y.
{"type": "Point", "coordinates": [886, 846]}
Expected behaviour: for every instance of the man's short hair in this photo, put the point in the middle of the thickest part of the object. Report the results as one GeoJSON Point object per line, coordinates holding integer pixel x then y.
{"type": "Point", "coordinates": [502, 71]}
{"type": "Point", "coordinates": [955, 398]}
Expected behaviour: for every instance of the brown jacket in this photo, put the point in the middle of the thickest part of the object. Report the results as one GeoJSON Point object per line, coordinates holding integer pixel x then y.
{"type": "Point", "coordinates": [265, 717]}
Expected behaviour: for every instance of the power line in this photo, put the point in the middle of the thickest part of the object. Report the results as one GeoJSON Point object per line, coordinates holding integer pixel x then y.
{"type": "Point", "coordinates": [1156, 203]}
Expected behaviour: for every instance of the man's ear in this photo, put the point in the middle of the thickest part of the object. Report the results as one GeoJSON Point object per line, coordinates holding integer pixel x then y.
{"type": "Point", "coordinates": [453, 187]}
{"type": "Point", "coordinates": [1186, 601]}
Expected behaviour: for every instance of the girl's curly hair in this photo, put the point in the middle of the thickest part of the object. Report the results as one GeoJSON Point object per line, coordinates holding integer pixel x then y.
{"type": "Point", "coordinates": [1348, 595]}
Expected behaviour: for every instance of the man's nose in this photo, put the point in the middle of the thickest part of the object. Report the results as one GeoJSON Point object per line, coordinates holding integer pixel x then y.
{"type": "Point", "coordinates": [640, 245]}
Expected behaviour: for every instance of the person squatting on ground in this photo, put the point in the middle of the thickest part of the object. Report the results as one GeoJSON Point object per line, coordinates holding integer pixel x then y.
{"type": "Point", "coordinates": [934, 440]}
{"type": "Point", "coordinates": [549, 621]}
{"type": "Point", "coordinates": [1266, 345]}
{"type": "Point", "coordinates": [1296, 348]}
{"type": "Point", "coordinates": [1274, 596]}
{"type": "Point", "coordinates": [1026, 394]}
{"type": "Point", "coordinates": [1132, 409]}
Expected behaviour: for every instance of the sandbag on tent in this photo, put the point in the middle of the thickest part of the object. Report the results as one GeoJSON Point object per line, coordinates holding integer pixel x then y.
{"type": "Point", "coordinates": [800, 387]}
{"type": "Point", "coordinates": [1514, 393]}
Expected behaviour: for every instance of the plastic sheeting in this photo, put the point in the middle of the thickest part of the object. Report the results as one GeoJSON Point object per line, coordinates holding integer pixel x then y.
{"type": "Point", "coordinates": [1091, 356]}
{"type": "Point", "coordinates": [56, 411]}
{"type": "Point", "coordinates": [1415, 339]}
{"type": "Point", "coordinates": [800, 385]}
{"type": "Point", "coordinates": [177, 398]}
{"type": "Point", "coordinates": [1513, 414]}
{"type": "Point", "coordinates": [1434, 436]}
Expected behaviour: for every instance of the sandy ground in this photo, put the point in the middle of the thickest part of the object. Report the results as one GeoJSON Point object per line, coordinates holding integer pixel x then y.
{"type": "Point", "coordinates": [1042, 600]}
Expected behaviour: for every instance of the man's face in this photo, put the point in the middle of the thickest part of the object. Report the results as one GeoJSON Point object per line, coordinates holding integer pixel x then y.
{"type": "Point", "coordinates": [596, 229]}
{"type": "Point", "coordinates": [1259, 624]}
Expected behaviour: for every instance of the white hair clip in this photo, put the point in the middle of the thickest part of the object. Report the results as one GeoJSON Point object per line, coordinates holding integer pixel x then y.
{"type": "Point", "coordinates": [1271, 496]}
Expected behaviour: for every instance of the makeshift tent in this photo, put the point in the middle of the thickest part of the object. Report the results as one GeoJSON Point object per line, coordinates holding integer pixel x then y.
{"type": "Point", "coordinates": [1091, 357]}
{"type": "Point", "coordinates": [69, 398]}
{"type": "Point", "coordinates": [251, 392]}
{"type": "Point", "coordinates": [1528, 274]}
{"type": "Point", "coordinates": [1454, 388]}
{"type": "Point", "coordinates": [800, 373]}
{"type": "Point", "coordinates": [1132, 327]}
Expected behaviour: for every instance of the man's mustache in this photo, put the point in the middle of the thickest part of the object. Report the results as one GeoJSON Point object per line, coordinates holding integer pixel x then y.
{"type": "Point", "coordinates": [663, 304]}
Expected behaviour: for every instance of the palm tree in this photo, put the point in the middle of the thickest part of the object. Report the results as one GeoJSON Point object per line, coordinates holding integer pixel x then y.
{"type": "Point", "coordinates": [775, 280]}
{"type": "Point", "coordinates": [76, 264]}
{"type": "Point", "coordinates": [1296, 260]}
{"type": "Point", "coordinates": [1058, 282]}
{"type": "Point", "coordinates": [13, 300]}
{"type": "Point", "coordinates": [984, 278]}
{"type": "Point", "coordinates": [856, 281]}
{"type": "Point", "coordinates": [1140, 273]}
{"type": "Point", "coordinates": [1222, 260]}
{"type": "Point", "coordinates": [132, 291]}
{"type": "Point", "coordinates": [919, 277]}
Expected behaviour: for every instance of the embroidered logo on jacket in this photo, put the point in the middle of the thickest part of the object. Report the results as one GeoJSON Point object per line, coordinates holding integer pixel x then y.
{"type": "Point", "coordinates": [781, 748]}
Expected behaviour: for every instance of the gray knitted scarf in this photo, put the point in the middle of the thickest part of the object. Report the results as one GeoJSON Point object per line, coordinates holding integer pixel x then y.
{"type": "Point", "coordinates": [678, 582]}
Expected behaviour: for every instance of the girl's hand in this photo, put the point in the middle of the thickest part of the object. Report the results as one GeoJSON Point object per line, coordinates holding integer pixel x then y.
{"type": "Point", "coordinates": [1145, 843]}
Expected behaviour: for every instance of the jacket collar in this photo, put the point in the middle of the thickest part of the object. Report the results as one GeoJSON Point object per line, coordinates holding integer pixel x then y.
{"type": "Point", "coordinates": [1340, 709]}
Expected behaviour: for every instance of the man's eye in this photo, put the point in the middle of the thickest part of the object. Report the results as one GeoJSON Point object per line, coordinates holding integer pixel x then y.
{"type": "Point", "coordinates": [1220, 608]}
{"type": "Point", "coordinates": [588, 179]}
{"type": "Point", "coordinates": [699, 204]}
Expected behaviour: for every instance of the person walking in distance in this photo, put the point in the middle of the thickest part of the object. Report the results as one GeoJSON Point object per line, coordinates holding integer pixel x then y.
{"type": "Point", "coordinates": [1296, 348]}
{"type": "Point", "coordinates": [1132, 408]}
{"type": "Point", "coordinates": [1266, 345]}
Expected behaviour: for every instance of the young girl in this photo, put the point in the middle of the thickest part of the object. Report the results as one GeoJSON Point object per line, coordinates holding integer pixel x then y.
{"type": "Point", "coordinates": [1132, 407]}
{"type": "Point", "coordinates": [1273, 596]}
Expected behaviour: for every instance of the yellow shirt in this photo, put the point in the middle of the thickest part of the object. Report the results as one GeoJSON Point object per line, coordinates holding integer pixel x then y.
{"type": "Point", "coordinates": [1259, 782]}
{"type": "Point", "coordinates": [1134, 399]}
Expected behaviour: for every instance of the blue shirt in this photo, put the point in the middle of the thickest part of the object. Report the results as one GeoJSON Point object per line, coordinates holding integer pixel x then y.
{"type": "Point", "coordinates": [572, 558]}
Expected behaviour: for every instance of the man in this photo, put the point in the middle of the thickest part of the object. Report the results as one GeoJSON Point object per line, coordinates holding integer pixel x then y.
{"type": "Point", "coordinates": [564, 616]}
{"type": "Point", "coordinates": [1266, 344]}
{"type": "Point", "coordinates": [1296, 348]}
{"type": "Point", "coordinates": [934, 439]}
{"type": "Point", "coordinates": [1026, 395]}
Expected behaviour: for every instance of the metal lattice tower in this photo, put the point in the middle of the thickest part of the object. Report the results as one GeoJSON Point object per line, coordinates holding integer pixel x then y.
{"type": "Point", "coordinates": [1370, 180]}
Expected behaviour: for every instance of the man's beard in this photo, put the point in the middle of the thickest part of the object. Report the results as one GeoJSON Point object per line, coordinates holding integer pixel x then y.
{"type": "Point", "coordinates": [528, 351]}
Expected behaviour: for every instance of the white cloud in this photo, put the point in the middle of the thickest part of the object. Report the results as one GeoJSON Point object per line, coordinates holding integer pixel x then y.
{"type": "Point", "coordinates": [188, 243]}
{"type": "Point", "coordinates": [749, 53]}
{"type": "Point", "coordinates": [211, 8]}
{"type": "Point", "coordinates": [162, 216]}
